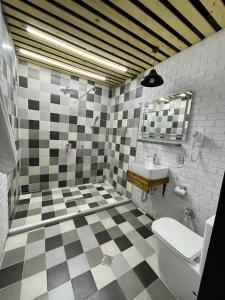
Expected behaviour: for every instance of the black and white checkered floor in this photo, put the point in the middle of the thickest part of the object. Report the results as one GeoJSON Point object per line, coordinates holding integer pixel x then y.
{"type": "Point", "coordinates": [64, 260]}
{"type": "Point", "coordinates": [40, 206]}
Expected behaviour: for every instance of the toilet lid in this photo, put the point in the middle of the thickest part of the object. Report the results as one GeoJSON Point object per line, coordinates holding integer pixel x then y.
{"type": "Point", "coordinates": [179, 238]}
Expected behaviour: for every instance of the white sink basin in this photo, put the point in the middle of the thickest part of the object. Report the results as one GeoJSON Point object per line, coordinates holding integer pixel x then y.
{"type": "Point", "coordinates": [148, 170]}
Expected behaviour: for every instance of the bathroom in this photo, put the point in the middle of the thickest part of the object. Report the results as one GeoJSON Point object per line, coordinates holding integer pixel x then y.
{"type": "Point", "coordinates": [80, 124]}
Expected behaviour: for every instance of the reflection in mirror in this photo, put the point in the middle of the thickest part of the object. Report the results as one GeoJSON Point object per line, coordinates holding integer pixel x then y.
{"type": "Point", "coordinates": [167, 117]}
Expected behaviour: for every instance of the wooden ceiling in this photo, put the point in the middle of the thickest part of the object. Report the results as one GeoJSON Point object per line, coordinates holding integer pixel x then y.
{"type": "Point", "coordinates": [122, 31]}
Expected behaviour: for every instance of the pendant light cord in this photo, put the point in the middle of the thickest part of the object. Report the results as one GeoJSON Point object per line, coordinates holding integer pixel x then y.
{"type": "Point", "coordinates": [154, 50]}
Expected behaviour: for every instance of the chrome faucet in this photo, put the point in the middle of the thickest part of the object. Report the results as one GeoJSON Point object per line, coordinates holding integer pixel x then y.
{"type": "Point", "coordinates": [154, 160]}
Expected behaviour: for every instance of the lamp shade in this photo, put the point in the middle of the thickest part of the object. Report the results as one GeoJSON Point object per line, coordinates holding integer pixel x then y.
{"type": "Point", "coordinates": [152, 79]}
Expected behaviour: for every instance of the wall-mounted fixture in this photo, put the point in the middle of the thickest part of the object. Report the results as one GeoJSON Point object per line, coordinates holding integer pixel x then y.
{"type": "Point", "coordinates": [76, 50]}
{"type": "Point", "coordinates": [153, 79]}
{"type": "Point", "coordinates": [180, 190]}
{"type": "Point", "coordinates": [146, 175]}
{"type": "Point", "coordinates": [68, 147]}
{"type": "Point", "coordinates": [197, 142]}
{"type": "Point", "coordinates": [60, 65]}
{"type": "Point", "coordinates": [70, 91]}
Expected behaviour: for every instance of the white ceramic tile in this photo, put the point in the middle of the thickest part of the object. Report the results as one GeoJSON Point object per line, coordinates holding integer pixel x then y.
{"type": "Point", "coordinates": [132, 256]}
{"type": "Point", "coordinates": [78, 265]}
{"type": "Point", "coordinates": [110, 248]}
{"type": "Point", "coordinates": [64, 291]}
{"type": "Point", "coordinates": [16, 241]}
{"type": "Point", "coordinates": [34, 286]}
{"type": "Point", "coordinates": [108, 223]}
{"type": "Point", "coordinates": [103, 275]}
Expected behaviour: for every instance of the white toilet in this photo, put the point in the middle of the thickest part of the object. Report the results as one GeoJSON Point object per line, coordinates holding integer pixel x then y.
{"type": "Point", "coordinates": [181, 256]}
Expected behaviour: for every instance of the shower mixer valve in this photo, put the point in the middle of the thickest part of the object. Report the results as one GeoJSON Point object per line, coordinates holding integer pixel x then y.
{"type": "Point", "coordinates": [68, 147]}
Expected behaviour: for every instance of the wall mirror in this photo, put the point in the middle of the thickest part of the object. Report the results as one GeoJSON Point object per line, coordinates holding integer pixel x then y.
{"type": "Point", "coordinates": [167, 117]}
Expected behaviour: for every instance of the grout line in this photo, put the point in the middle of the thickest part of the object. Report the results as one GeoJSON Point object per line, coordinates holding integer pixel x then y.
{"type": "Point", "coordinates": [25, 228]}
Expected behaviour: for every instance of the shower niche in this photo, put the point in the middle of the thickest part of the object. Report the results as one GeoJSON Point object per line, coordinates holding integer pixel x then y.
{"type": "Point", "coordinates": [166, 118]}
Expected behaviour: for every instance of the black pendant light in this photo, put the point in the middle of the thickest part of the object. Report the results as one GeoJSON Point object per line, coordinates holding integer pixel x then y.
{"type": "Point", "coordinates": [152, 79]}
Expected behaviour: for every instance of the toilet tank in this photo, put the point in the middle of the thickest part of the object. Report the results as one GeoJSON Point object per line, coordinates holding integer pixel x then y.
{"type": "Point", "coordinates": [207, 236]}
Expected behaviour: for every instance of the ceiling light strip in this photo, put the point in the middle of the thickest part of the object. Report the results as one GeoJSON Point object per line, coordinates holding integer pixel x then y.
{"type": "Point", "coordinates": [61, 65]}
{"type": "Point", "coordinates": [57, 42]}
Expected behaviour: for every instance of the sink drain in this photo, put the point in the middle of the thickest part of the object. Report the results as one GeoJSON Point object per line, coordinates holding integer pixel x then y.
{"type": "Point", "coordinates": [107, 260]}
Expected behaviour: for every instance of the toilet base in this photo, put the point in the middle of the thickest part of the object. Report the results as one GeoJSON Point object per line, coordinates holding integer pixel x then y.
{"type": "Point", "coordinates": [180, 277]}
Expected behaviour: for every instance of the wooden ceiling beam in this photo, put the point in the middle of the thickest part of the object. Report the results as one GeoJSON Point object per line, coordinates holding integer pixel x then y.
{"type": "Point", "coordinates": [186, 8]}
{"type": "Point", "coordinates": [217, 9]}
{"type": "Point", "coordinates": [149, 22]}
{"type": "Point", "coordinates": [123, 21]}
{"type": "Point", "coordinates": [171, 19]}
{"type": "Point", "coordinates": [62, 18]}
{"type": "Point", "coordinates": [62, 60]}
{"type": "Point", "coordinates": [53, 26]}
{"type": "Point", "coordinates": [47, 47]}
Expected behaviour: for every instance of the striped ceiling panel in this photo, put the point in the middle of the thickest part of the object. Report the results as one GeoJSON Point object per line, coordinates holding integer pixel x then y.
{"type": "Point", "coordinates": [119, 31]}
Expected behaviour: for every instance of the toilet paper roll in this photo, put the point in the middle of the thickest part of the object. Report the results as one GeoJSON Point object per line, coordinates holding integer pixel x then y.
{"type": "Point", "coordinates": [179, 191]}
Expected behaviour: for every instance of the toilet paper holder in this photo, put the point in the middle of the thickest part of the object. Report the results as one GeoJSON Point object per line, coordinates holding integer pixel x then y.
{"type": "Point", "coordinates": [180, 190]}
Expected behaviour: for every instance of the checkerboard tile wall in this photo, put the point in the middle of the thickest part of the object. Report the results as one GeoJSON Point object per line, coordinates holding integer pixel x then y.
{"type": "Point", "coordinates": [65, 260]}
{"type": "Point", "coordinates": [123, 127]}
{"type": "Point", "coordinates": [50, 119]}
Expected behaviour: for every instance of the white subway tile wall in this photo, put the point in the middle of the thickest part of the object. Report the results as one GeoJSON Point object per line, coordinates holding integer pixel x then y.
{"type": "Point", "coordinates": [3, 213]}
{"type": "Point", "coordinates": [201, 69]}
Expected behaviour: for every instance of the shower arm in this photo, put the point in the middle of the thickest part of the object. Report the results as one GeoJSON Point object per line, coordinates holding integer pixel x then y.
{"type": "Point", "coordinates": [79, 98]}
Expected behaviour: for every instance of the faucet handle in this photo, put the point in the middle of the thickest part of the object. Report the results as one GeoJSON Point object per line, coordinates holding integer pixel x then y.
{"type": "Point", "coordinates": [155, 158]}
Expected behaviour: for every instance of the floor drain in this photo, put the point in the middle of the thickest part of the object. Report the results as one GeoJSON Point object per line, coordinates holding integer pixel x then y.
{"type": "Point", "coordinates": [107, 260]}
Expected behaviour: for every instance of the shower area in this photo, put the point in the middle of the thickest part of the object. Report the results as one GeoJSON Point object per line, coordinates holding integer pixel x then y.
{"type": "Point", "coordinates": [66, 145]}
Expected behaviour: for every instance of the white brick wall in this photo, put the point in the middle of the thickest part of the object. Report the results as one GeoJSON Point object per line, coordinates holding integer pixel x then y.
{"type": "Point", "coordinates": [200, 69]}
{"type": "Point", "coordinates": [3, 212]}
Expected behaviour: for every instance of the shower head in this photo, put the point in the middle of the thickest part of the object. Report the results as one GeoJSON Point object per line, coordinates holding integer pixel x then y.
{"type": "Point", "coordinates": [73, 91]}
{"type": "Point", "coordinates": [92, 91]}
{"type": "Point", "coordinates": [68, 91]}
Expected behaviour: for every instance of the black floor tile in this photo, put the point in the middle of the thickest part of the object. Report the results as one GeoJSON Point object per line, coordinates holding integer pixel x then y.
{"type": "Point", "coordinates": [11, 274]}
{"type": "Point", "coordinates": [102, 237]}
{"type": "Point", "coordinates": [21, 214]}
{"type": "Point", "coordinates": [107, 196]}
{"type": "Point", "coordinates": [53, 242]}
{"type": "Point", "coordinates": [94, 204]}
{"type": "Point", "coordinates": [136, 212]}
{"type": "Point", "coordinates": [110, 292]}
{"type": "Point", "coordinates": [79, 222]}
{"type": "Point", "coordinates": [88, 195]}
{"type": "Point", "coordinates": [48, 215]}
{"type": "Point", "coordinates": [100, 188]}
{"type": "Point", "coordinates": [24, 201]}
{"type": "Point", "coordinates": [144, 232]}
{"type": "Point", "coordinates": [67, 194]}
{"type": "Point", "coordinates": [73, 249]}
{"type": "Point", "coordinates": [70, 204]}
{"type": "Point", "coordinates": [145, 274]}
{"type": "Point", "coordinates": [84, 286]}
{"type": "Point", "coordinates": [47, 203]}
{"type": "Point", "coordinates": [57, 275]}
{"type": "Point", "coordinates": [123, 243]}
{"type": "Point", "coordinates": [119, 219]}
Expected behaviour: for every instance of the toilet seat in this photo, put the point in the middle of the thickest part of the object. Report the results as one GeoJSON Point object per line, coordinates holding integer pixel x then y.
{"type": "Point", "coordinates": [180, 239]}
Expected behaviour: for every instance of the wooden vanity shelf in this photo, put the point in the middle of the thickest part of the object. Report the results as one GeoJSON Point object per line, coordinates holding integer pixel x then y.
{"type": "Point", "coordinates": [144, 183]}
